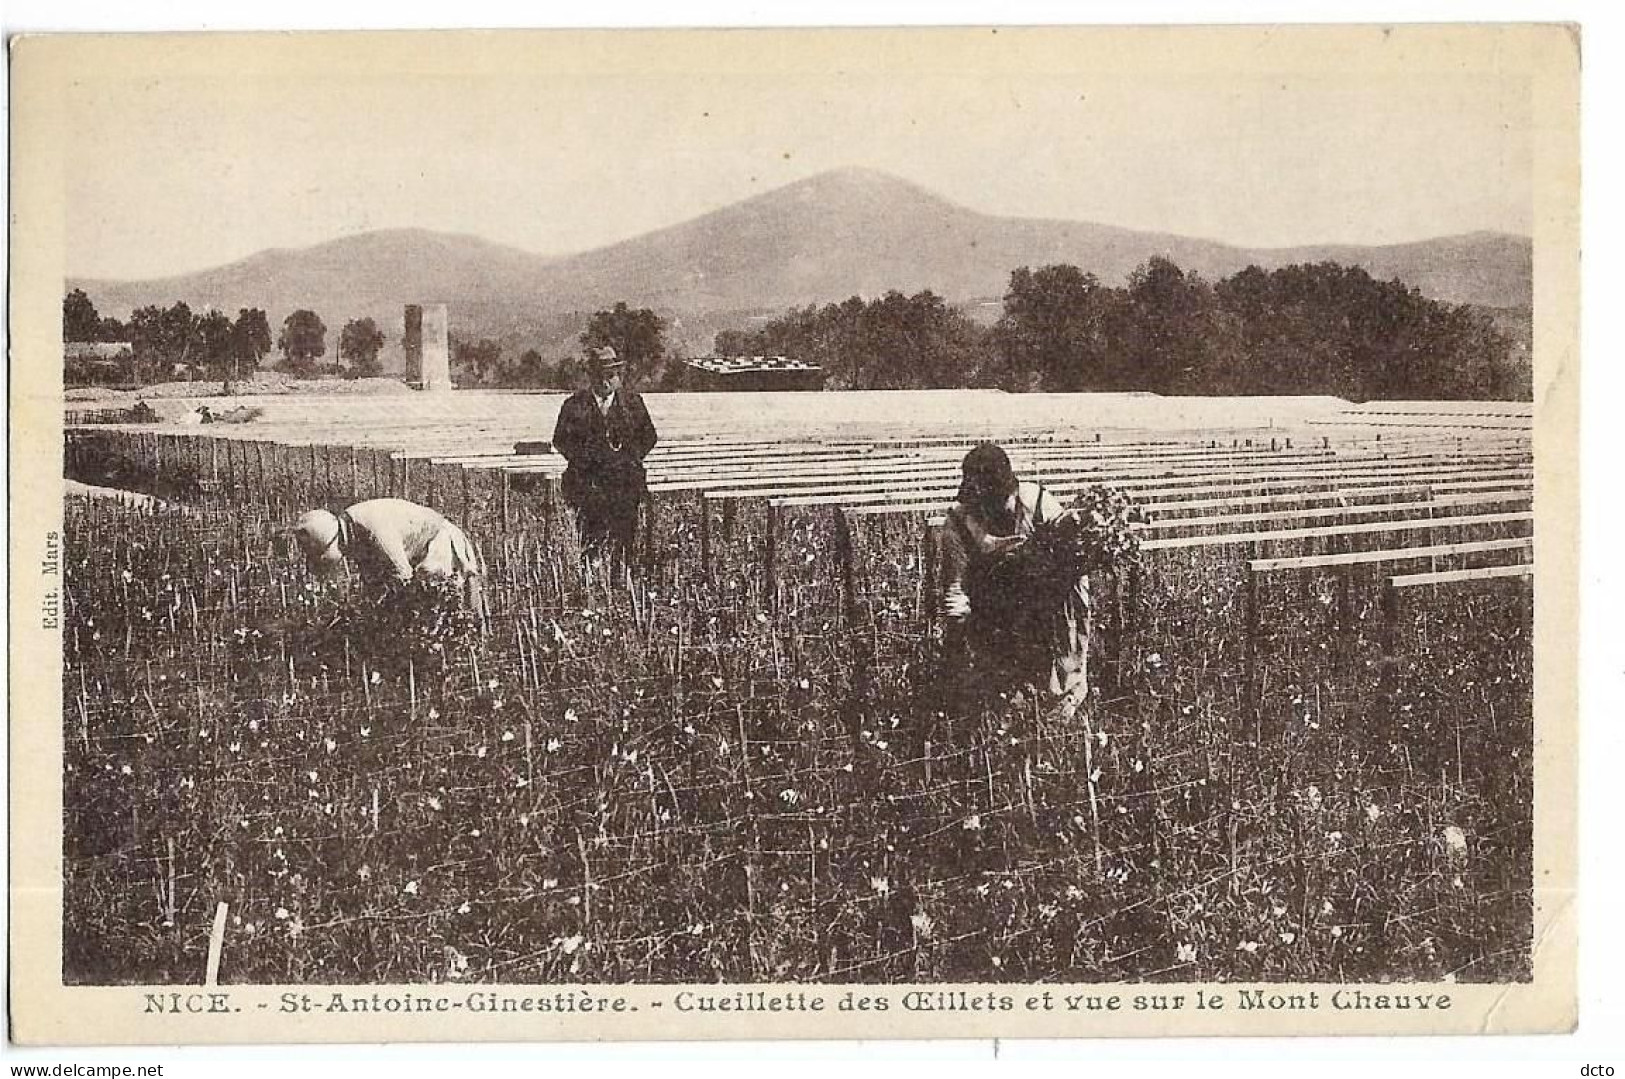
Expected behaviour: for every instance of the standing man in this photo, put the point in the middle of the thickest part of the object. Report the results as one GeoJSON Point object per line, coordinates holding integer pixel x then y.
{"type": "Point", "coordinates": [604, 432]}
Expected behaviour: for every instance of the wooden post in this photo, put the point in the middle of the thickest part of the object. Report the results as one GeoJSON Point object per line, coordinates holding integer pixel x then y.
{"type": "Point", "coordinates": [1388, 663]}
{"type": "Point", "coordinates": [930, 570]}
{"type": "Point", "coordinates": [770, 557]}
{"type": "Point", "coordinates": [842, 522]}
{"type": "Point", "coordinates": [1252, 707]}
{"type": "Point", "coordinates": [217, 941]}
{"type": "Point", "coordinates": [550, 507]}
{"type": "Point", "coordinates": [651, 517]}
{"type": "Point", "coordinates": [705, 534]}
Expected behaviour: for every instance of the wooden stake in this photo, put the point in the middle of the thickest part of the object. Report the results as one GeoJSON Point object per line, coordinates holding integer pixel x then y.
{"type": "Point", "coordinates": [217, 940]}
{"type": "Point", "coordinates": [586, 879]}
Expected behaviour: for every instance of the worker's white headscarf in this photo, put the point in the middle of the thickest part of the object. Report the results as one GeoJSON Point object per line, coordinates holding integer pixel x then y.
{"type": "Point", "coordinates": [318, 535]}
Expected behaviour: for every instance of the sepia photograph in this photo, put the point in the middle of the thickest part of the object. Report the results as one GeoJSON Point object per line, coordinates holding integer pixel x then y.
{"type": "Point", "coordinates": [793, 533]}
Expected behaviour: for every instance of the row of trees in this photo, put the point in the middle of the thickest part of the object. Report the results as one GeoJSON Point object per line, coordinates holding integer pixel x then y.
{"type": "Point", "coordinates": [892, 343]}
{"type": "Point", "coordinates": [638, 335]}
{"type": "Point", "coordinates": [1306, 329]}
{"type": "Point", "coordinates": [174, 342]}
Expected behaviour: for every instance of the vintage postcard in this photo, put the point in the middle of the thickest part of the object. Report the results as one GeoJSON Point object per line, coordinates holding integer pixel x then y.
{"type": "Point", "coordinates": [1003, 532]}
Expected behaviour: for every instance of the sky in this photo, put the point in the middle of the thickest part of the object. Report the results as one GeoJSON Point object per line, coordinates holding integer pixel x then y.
{"type": "Point", "coordinates": [555, 148]}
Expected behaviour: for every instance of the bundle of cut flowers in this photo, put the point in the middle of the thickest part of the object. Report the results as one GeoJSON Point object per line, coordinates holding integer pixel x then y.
{"type": "Point", "coordinates": [1095, 534]}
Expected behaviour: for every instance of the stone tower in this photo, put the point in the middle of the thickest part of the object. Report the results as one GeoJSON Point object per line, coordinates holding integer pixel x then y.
{"type": "Point", "coordinates": [428, 356]}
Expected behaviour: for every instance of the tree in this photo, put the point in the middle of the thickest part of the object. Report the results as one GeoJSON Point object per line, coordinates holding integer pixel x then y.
{"type": "Point", "coordinates": [638, 337]}
{"type": "Point", "coordinates": [302, 342]}
{"type": "Point", "coordinates": [532, 370]}
{"type": "Point", "coordinates": [178, 337]}
{"type": "Point", "coordinates": [146, 341]}
{"type": "Point", "coordinates": [475, 364]}
{"type": "Point", "coordinates": [895, 342]}
{"type": "Point", "coordinates": [359, 343]}
{"type": "Point", "coordinates": [1173, 334]}
{"type": "Point", "coordinates": [214, 344]}
{"type": "Point", "coordinates": [80, 322]}
{"type": "Point", "coordinates": [1053, 334]}
{"type": "Point", "coordinates": [733, 343]}
{"type": "Point", "coordinates": [112, 330]}
{"type": "Point", "coordinates": [250, 341]}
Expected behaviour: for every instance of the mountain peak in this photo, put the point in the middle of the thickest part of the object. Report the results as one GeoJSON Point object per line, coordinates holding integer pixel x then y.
{"type": "Point", "coordinates": [855, 186]}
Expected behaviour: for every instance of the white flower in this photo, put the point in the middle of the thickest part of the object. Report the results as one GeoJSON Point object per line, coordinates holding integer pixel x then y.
{"type": "Point", "coordinates": [881, 885]}
{"type": "Point", "coordinates": [1372, 813]}
{"type": "Point", "coordinates": [434, 803]}
{"type": "Point", "coordinates": [553, 745]}
{"type": "Point", "coordinates": [411, 887]}
{"type": "Point", "coordinates": [921, 922]}
{"type": "Point", "coordinates": [281, 914]}
{"type": "Point", "coordinates": [972, 823]}
{"type": "Point", "coordinates": [1455, 840]}
{"type": "Point", "coordinates": [376, 678]}
{"type": "Point", "coordinates": [507, 736]}
{"type": "Point", "coordinates": [1185, 953]}
{"type": "Point", "coordinates": [464, 909]}
{"type": "Point", "coordinates": [1248, 946]}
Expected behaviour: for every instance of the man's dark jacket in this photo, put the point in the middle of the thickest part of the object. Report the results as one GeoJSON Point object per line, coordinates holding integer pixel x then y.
{"type": "Point", "coordinates": [605, 452]}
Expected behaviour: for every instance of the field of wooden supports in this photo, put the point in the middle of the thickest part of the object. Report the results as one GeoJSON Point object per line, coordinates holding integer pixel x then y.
{"type": "Point", "coordinates": [1306, 754]}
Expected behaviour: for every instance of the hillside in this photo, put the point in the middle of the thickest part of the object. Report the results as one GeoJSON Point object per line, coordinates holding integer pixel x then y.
{"type": "Point", "coordinates": [851, 231]}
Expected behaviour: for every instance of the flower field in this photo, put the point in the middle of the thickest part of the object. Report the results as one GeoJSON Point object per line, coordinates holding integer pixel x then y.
{"type": "Point", "coordinates": [1307, 754]}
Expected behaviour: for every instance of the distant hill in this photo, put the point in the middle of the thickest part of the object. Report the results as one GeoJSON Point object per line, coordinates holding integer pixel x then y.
{"type": "Point", "coordinates": [842, 233]}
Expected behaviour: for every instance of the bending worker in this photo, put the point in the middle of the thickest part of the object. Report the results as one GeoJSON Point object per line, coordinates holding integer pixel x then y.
{"type": "Point", "coordinates": [1012, 612]}
{"type": "Point", "coordinates": [391, 539]}
{"type": "Point", "coordinates": [604, 432]}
